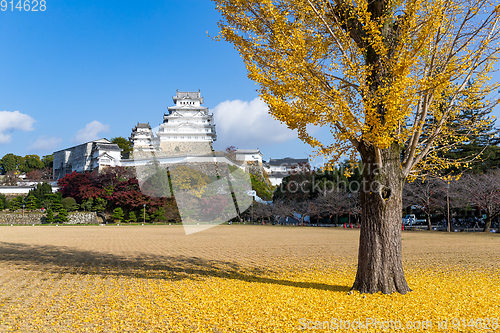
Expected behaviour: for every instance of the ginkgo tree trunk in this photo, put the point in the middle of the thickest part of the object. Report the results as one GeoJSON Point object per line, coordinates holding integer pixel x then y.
{"type": "Point", "coordinates": [388, 78]}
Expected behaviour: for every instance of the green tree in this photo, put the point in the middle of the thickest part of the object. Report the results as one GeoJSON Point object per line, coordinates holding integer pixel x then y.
{"type": "Point", "coordinates": [48, 161]}
{"type": "Point", "coordinates": [159, 214]}
{"type": "Point", "coordinates": [117, 214]}
{"type": "Point", "coordinates": [62, 215]}
{"type": "Point", "coordinates": [99, 205]}
{"type": "Point", "coordinates": [132, 217]}
{"type": "Point", "coordinates": [49, 216]}
{"type": "Point", "coordinates": [387, 78]}
{"type": "Point", "coordinates": [17, 203]}
{"type": "Point", "coordinates": [32, 162]}
{"type": "Point", "coordinates": [479, 151]}
{"type": "Point", "coordinates": [52, 200]}
{"type": "Point", "coordinates": [40, 192]}
{"type": "Point", "coordinates": [69, 204]}
{"type": "Point", "coordinates": [86, 205]}
{"type": "Point", "coordinates": [31, 202]}
{"type": "Point", "coordinates": [124, 144]}
{"type": "Point", "coordinates": [11, 162]}
{"type": "Point", "coordinates": [3, 202]}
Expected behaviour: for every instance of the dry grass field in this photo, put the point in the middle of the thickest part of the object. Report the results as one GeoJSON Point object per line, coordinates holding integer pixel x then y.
{"type": "Point", "coordinates": [237, 278]}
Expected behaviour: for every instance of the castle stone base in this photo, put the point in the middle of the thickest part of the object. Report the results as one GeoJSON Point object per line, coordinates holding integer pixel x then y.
{"type": "Point", "coordinates": [168, 149]}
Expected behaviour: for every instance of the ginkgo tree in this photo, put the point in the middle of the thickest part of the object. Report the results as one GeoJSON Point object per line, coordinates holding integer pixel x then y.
{"type": "Point", "coordinates": [388, 78]}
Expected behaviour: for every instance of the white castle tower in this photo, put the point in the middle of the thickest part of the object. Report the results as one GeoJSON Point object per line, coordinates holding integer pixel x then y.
{"type": "Point", "coordinates": [142, 137]}
{"type": "Point", "coordinates": [187, 127]}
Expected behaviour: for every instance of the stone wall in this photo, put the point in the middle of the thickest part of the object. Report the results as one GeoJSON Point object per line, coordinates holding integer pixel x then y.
{"type": "Point", "coordinates": [174, 148]}
{"type": "Point", "coordinates": [39, 218]}
{"type": "Point", "coordinates": [185, 148]}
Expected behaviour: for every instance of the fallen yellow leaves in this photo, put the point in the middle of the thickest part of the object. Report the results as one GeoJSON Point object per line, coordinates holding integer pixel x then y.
{"type": "Point", "coordinates": [247, 302]}
{"type": "Point", "coordinates": [292, 278]}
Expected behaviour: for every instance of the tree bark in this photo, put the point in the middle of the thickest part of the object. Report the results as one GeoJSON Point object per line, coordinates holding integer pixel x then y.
{"type": "Point", "coordinates": [429, 223]}
{"type": "Point", "coordinates": [380, 267]}
{"type": "Point", "coordinates": [487, 224]}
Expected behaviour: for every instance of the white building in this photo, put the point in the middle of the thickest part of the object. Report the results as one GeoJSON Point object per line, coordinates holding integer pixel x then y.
{"type": "Point", "coordinates": [248, 155]}
{"type": "Point", "coordinates": [187, 121]}
{"type": "Point", "coordinates": [143, 139]}
{"type": "Point", "coordinates": [90, 156]}
{"type": "Point", "coordinates": [277, 169]}
{"type": "Point", "coordinates": [187, 129]}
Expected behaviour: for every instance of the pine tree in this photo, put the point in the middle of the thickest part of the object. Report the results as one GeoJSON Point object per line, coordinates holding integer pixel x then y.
{"type": "Point", "coordinates": [117, 214]}
{"type": "Point", "coordinates": [53, 201]}
{"type": "Point", "coordinates": [16, 203]}
{"type": "Point", "coordinates": [132, 217]}
{"type": "Point", "coordinates": [99, 205]}
{"type": "Point", "coordinates": [40, 192]}
{"type": "Point", "coordinates": [159, 215]}
{"type": "Point", "coordinates": [62, 215]}
{"type": "Point", "coordinates": [3, 202]}
{"type": "Point", "coordinates": [480, 151]}
{"type": "Point", "coordinates": [87, 204]}
{"type": "Point", "coordinates": [49, 217]}
{"type": "Point", "coordinates": [31, 202]}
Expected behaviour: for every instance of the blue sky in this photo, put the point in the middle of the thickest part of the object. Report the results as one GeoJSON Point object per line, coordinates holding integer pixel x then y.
{"type": "Point", "coordinates": [83, 70]}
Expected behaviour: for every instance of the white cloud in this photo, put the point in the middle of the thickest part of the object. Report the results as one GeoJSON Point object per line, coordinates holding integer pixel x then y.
{"type": "Point", "coordinates": [248, 124]}
{"type": "Point", "coordinates": [90, 132]}
{"type": "Point", "coordinates": [15, 120]}
{"type": "Point", "coordinates": [45, 143]}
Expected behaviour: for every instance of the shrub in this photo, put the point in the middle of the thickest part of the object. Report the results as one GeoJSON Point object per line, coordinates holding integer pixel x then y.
{"type": "Point", "coordinates": [69, 204]}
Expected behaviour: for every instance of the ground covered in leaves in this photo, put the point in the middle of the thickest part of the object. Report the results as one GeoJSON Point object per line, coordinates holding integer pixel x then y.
{"type": "Point", "coordinates": [237, 278]}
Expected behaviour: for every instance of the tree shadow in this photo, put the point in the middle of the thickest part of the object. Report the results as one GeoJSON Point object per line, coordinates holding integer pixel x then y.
{"type": "Point", "coordinates": [65, 260]}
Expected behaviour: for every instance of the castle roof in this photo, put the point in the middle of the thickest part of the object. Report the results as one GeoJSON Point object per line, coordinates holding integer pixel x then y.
{"type": "Point", "coordinates": [142, 125]}
{"type": "Point", "coordinates": [107, 146]}
{"type": "Point", "coordinates": [248, 151]}
{"type": "Point", "coordinates": [193, 95]}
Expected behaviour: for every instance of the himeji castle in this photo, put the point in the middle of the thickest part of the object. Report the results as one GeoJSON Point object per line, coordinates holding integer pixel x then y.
{"type": "Point", "coordinates": [187, 128]}
{"type": "Point", "coordinates": [185, 136]}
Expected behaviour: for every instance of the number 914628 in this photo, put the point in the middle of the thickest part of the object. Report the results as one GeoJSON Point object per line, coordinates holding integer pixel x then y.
{"type": "Point", "coordinates": [23, 5]}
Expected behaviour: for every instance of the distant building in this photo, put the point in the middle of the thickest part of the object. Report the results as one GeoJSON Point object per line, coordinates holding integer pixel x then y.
{"type": "Point", "coordinates": [248, 155]}
{"type": "Point", "coordinates": [90, 156]}
{"type": "Point", "coordinates": [277, 169]}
